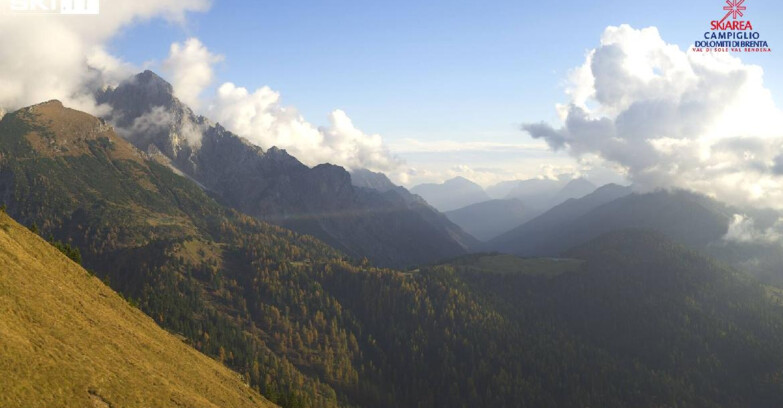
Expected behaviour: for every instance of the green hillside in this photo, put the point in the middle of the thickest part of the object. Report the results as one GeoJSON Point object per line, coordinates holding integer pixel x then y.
{"type": "Point", "coordinates": [630, 320]}
{"type": "Point", "coordinates": [67, 340]}
{"type": "Point", "coordinates": [199, 269]}
{"type": "Point", "coordinates": [644, 322]}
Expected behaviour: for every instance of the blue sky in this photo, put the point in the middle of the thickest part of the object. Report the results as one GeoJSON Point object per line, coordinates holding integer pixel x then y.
{"type": "Point", "coordinates": [427, 70]}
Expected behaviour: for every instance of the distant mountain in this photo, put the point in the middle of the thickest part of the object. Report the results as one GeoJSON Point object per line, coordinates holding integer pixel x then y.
{"type": "Point", "coordinates": [557, 218]}
{"type": "Point", "coordinates": [489, 219]}
{"type": "Point", "coordinates": [688, 218]}
{"type": "Point", "coordinates": [452, 194]}
{"type": "Point", "coordinates": [576, 188]}
{"type": "Point", "coordinates": [536, 193]}
{"type": "Point", "coordinates": [543, 194]}
{"type": "Point", "coordinates": [501, 190]}
{"type": "Point", "coordinates": [70, 341]}
{"type": "Point", "coordinates": [275, 187]}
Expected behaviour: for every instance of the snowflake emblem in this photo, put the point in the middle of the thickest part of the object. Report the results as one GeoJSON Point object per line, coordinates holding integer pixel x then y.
{"type": "Point", "coordinates": [734, 9]}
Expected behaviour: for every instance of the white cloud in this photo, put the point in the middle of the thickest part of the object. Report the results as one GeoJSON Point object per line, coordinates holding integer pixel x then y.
{"type": "Point", "coordinates": [46, 57]}
{"type": "Point", "coordinates": [354, 148]}
{"type": "Point", "coordinates": [673, 118]}
{"type": "Point", "coordinates": [261, 117]}
{"type": "Point", "coordinates": [159, 119]}
{"type": "Point", "coordinates": [488, 163]}
{"type": "Point", "coordinates": [190, 68]}
{"type": "Point", "coordinates": [743, 229]}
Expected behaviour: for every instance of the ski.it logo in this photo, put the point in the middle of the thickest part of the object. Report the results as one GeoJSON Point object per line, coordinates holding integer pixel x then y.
{"type": "Point", "coordinates": [734, 9]}
{"type": "Point", "coordinates": [55, 6]}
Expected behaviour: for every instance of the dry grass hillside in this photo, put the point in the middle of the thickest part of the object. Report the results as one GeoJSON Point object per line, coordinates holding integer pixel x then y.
{"type": "Point", "coordinates": [67, 340]}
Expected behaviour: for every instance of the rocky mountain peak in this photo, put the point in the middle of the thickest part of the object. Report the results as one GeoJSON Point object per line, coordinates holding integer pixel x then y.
{"type": "Point", "coordinates": [153, 84]}
{"type": "Point", "coordinates": [138, 96]}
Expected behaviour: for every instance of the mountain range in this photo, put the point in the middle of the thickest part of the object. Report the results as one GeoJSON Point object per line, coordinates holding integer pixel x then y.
{"type": "Point", "coordinates": [700, 222]}
{"type": "Point", "coordinates": [543, 194]}
{"type": "Point", "coordinates": [201, 270]}
{"type": "Point", "coordinates": [488, 219]}
{"type": "Point", "coordinates": [544, 234]}
{"type": "Point", "coordinates": [452, 194]}
{"type": "Point", "coordinates": [271, 185]}
{"type": "Point", "coordinates": [688, 218]}
{"type": "Point", "coordinates": [625, 308]}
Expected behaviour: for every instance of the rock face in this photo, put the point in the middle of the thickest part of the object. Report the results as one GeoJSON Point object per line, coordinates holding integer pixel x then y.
{"type": "Point", "coordinates": [272, 185]}
{"type": "Point", "coordinates": [453, 194]}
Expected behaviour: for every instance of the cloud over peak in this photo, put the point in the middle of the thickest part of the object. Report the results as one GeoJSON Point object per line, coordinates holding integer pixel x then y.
{"type": "Point", "coordinates": [47, 57]}
{"type": "Point", "coordinates": [260, 116]}
{"type": "Point", "coordinates": [673, 118]}
{"type": "Point", "coordinates": [190, 67]}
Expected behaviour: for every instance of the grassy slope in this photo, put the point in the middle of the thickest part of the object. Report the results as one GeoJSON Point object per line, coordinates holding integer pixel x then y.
{"type": "Point", "coordinates": [67, 340]}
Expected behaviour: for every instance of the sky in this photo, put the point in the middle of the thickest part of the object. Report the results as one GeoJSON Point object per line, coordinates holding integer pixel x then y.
{"type": "Point", "coordinates": [426, 91]}
{"type": "Point", "coordinates": [420, 73]}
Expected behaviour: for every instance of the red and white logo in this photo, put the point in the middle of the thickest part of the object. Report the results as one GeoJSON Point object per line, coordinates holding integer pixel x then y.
{"type": "Point", "coordinates": [734, 9]}
{"type": "Point", "coordinates": [731, 33]}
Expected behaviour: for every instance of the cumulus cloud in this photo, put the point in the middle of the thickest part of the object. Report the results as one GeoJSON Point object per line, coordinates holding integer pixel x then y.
{"type": "Point", "coordinates": [161, 120]}
{"type": "Point", "coordinates": [260, 117]}
{"type": "Point", "coordinates": [743, 229]}
{"type": "Point", "coordinates": [190, 68]}
{"type": "Point", "coordinates": [355, 148]}
{"type": "Point", "coordinates": [488, 163]}
{"type": "Point", "coordinates": [46, 57]}
{"type": "Point", "coordinates": [673, 118]}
